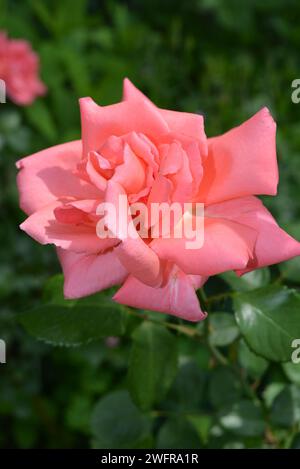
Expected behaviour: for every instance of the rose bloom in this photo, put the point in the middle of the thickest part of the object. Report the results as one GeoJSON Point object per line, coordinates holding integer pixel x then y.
{"type": "Point", "coordinates": [150, 155]}
{"type": "Point", "coordinates": [19, 68]}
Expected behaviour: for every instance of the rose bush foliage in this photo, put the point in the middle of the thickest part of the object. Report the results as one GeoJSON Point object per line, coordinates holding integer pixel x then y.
{"type": "Point", "coordinates": [226, 382]}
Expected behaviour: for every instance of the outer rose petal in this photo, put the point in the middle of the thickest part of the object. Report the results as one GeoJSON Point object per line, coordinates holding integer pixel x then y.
{"type": "Point", "coordinates": [88, 274]}
{"type": "Point", "coordinates": [273, 245]}
{"type": "Point", "coordinates": [48, 175]}
{"type": "Point", "coordinates": [227, 246]}
{"type": "Point", "coordinates": [177, 297]}
{"type": "Point", "coordinates": [185, 123]}
{"type": "Point", "coordinates": [242, 161]}
{"type": "Point", "coordinates": [44, 227]}
{"type": "Point", "coordinates": [100, 122]}
{"type": "Point", "coordinates": [197, 281]}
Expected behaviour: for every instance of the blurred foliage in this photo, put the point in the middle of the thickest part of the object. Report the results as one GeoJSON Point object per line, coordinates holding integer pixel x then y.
{"type": "Point", "coordinates": [162, 383]}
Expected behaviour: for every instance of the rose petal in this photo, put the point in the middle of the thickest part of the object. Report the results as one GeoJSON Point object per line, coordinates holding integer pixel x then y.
{"type": "Point", "coordinates": [88, 274]}
{"type": "Point", "coordinates": [242, 161]}
{"type": "Point", "coordinates": [273, 244]}
{"type": "Point", "coordinates": [48, 175]}
{"type": "Point", "coordinates": [45, 228]}
{"type": "Point", "coordinates": [140, 260]}
{"type": "Point", "coordinates": [184, 123]}
{"type": "Point", "coordinates": [130, 174]}
{"type": "Point", "coordinates": [177, 297]}
{"type": "Point", "coordinates": [227, 246]}
{"type": "Point", "coordinates": [100, 122]}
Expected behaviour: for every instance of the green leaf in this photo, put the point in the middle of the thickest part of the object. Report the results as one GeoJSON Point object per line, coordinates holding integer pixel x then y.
{"type": "Point", "coordinates": [223, 329]}
{"type": "Point", "coordinates": [39, 116]}
{"type": "Point", "coordinates": [296, 442]}
{"type": "Point", "coordinates": [19, 141]}
{"type": "Point", "coordinates": [253, 364]}
{"type": "Point", "coordinates": [53, 291]}
{"type": "Point", "coordinates": [292, 371]}
{"type": "Point", "coordinates": [250, 281]}
{"type": "Point", "coordinates": [286, 407]}
{"type": "Point", "coordinates": [78, 413]}
{"type": "Point", "coordinates": [153, 364]}
{"type": "Point", "coordinates": [73, 322]}
{"type": "Point", "coordinates": [224, 388]}
{"type": "Point", "coordinates": [187, 392]}
{"type": "Point", "coordinates": [234, 445]}
{"type": "Point", "coordinates": [290, 270]}
{"type": "Point", "coordinates": [76, 69]}
{"type": "Point", "coordinates": [117, 424]}
{"type": "Point", "coordinates": [271, 392]}
{"type": "Point", "coordinates": [74, 325]}
{"type": "Point", "coordinates": [202, 425]}
{"type": "Point", "coordinates": [10, 121]}
{"type": "Point", "coordinates": [269, 319]}
{"type": "Point", "coordinates": [43, 14]}
{"type": "Point", "coordinates": [243, 418]}
{"type": "Point", "coordinates": [178, 433]}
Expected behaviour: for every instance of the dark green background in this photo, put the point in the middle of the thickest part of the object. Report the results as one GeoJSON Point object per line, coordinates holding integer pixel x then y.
{"type": "Point", "coordinates": [223, 58]}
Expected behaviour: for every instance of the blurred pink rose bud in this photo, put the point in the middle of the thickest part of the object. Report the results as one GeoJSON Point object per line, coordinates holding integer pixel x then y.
{"type": "Point", "coordinates": [19, 68]}
{"type": "Point", "coordinates": [136, 150]}
{"type": "Point", "coordinates": [112, 342]}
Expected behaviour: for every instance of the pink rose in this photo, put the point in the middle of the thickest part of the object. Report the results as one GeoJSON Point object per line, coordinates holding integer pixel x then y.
{"type": "Point", "coordinates": [19, 68]}
{"type": "Point", "coordinates": [151, 154]}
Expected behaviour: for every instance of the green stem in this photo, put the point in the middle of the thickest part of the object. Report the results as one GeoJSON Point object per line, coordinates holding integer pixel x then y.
{"type": "Point", "coordinates": [221, 296]}
{"type": "Point", "coordinates": [186, 330]}
{"type": "Point", "coordinates": [218, 355]}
